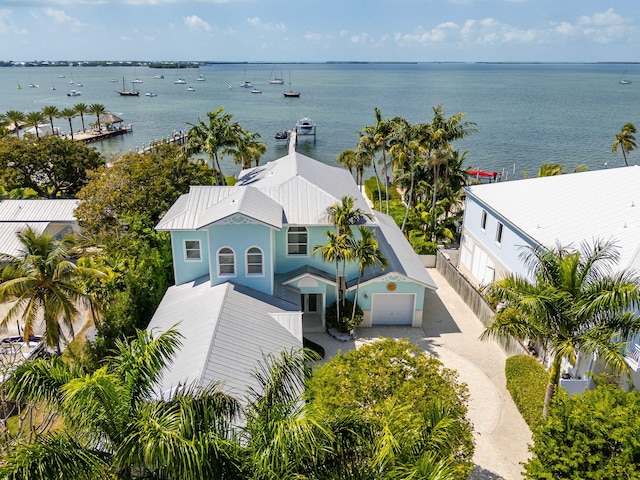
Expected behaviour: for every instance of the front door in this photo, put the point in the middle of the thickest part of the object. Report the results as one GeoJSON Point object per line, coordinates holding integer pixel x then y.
{"type": "Point", "coordinates": [312, 318]}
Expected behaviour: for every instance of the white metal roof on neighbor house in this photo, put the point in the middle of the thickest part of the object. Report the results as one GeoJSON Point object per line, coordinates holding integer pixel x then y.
{"type": "Point", "coordinates": [18, 215]}
{"type": "Point", "coordinates": [226, 328]}
{"type": "Point", "coordinates": [572, 208]}
{"type": "Point", "coordinates": [9, 243]}
{"type": "Point", "coordinates": [55, 210]}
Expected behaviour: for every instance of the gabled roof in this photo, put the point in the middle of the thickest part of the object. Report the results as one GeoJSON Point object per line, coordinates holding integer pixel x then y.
{"type": "Point", "coordinates": [9, 243]}
{"type": "Point", "coordinates": [572, 208]}
{"type": "Point", "coordinates": [226, 328]}
{"type": "Point", "coordinates": [400, 255]}
{"type": "Point", "coordinates": [55, 210]}
{"type": "Point", "coordinates": [249, 202]}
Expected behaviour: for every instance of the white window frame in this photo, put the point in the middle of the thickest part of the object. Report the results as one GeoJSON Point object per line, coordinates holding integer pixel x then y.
{"type": "Point", "coordinates": [248, 263]}
{"type": "Point", "coordinates": [483, 220]}
{"type": "Point", "coordinates": [306, 244]}
{"type": "Point", "coordinates": [499, 233]}
{"type": "Point", "coordinates": [185, 250]}
{"type": "Point", "coordinates": [232, 255]}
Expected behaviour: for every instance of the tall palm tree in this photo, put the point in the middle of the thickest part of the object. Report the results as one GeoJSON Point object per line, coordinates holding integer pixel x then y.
{"type": "Point", "coordinates": [51, 112]}
{"type": "Point", "coordinates": [367, 253]}
{"type": "Point", "coordinates": [114, 425]}
{"type": "Point", "coordinates": [81, 109]}
{"type": "Point", "coordinates": [217, 136]}
{"type": "Point", "coordinates": [15, 117]}
{"type": "Point", "coordinates": [344, 214]}
{"type": "Point", "coordinates": [68, 113]}
{"type": "Point", "coordinates": [336, 250]}
{"type": "Point", "coordinates": [45, 282]}
{"type": "Point", "coordinates": [572, 303]}
{"type": "Point", "coordinates": [626, 140]}
{"type": "Point", "coordinates": [34, 119]}
{"type": "Point", "coordinates": [248, 150]}
{"type": "Point", "coordinates": [97, 109]}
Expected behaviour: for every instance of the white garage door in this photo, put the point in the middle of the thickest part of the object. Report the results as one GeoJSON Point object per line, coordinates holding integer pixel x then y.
{"type": "Point", "coordinates": [392, 308]}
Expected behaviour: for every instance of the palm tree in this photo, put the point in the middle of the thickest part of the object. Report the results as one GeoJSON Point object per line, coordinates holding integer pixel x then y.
{"type": "Point", "coordinates": [68, 113]}
{"type": "Point", "coordinates": [34, 119]}
{"type": "Point", "coordinates": [45, 282]}
{"type": "Point", "coordinates": [345, 214]}
{"type": "Point", "coordinates": [51, 112]}
{"type": "Point", "coordinates": [81, 109]}
{"type": "Point", "coordinates": [217, 136]}
{"type": "Point", "coordinates": [336, 250]}
{"type": "Point", "coordinates": [116, 427]}
{"type": "Point", "coordinates": [15, 117]}
{"type": "Point", "coordinates": [248, 150]}
{"type": "Point", "coordinates": [367, 253]}
{"type": "Point", "coordinates": [573, 303]}
{"type": "Point", "coordinates": [626, 140]}
{"type": "Point", "coordinates": [97, 109]}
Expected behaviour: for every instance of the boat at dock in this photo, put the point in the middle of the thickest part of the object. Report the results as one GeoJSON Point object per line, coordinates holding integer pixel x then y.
{"type": "Point", "coordinates": [283, 135]}
{"type": "Point", "coordinates": [305, 126]}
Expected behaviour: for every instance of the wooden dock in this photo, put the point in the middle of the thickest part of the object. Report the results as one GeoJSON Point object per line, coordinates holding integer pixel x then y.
{"type": "Point", "coordinates": [176, 137]}
{"type": "Point", "coordinates": [93, 135]}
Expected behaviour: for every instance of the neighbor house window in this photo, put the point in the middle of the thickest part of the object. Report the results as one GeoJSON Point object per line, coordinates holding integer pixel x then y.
{"type": "Point", "coordinates": [226, 262]}
{"type": "Point", "coordinates": [297, 241]}
{"type": "Point", "coordinates": [254, 261]}
{"type": "Point", "coordinates": [499, 233]}
{"type": "Point", "coordinates": [192, 251]}
{"type": "Point", "coordinates": [483, 220]}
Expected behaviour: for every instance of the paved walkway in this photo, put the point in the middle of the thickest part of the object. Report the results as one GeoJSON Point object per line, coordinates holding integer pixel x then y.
{"type": "Point", "coordinates": [450, 331]}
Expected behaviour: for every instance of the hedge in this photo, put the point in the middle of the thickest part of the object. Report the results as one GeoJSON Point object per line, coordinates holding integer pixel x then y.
{"type": "Point", "coordinates": [527, 383]}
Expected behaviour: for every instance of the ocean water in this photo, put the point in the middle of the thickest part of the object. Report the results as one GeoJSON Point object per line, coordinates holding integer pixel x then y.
{"type": "Point", "coordinates": [525, 114]}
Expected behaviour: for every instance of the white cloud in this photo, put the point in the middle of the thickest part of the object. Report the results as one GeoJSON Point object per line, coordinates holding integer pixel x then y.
{"type": "Point", "coordinates": [59, 16]}
{"type": "Point", "coordinates": [315, 37]}
{"type": "Point", "coordinates": [7, 26]}
{"type": "Point", "coordinates": [602, 19]}
{"type": "Point", "coordinates": [271, 27]}
{"type": "Point", "coordinates": [196, 23]}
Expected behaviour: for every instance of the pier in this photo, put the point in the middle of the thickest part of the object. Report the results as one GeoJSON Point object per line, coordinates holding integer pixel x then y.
{"type": "Point", "coordinates": [176, 137]}
{"type": "Point", "coordinates": [95, 135]}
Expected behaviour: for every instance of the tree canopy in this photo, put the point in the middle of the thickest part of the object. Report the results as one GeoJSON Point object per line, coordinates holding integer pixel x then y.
{"type": "Point", "coordinates": [51, 166]}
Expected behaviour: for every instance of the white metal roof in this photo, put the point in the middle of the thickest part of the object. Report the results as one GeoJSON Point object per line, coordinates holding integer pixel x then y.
{"type": "Point", "coordinates": [9, 243]}
{"type": "Point", "coordinates": [55, 210]}
{"type": "Point", "coordinates": [226, 328]}
{"type": "Point", "coordinates": [399, 253]}
{"type": "Point", "coordinates": [572, 208]}
{"type": "Point", "coordinates": [294, 189]}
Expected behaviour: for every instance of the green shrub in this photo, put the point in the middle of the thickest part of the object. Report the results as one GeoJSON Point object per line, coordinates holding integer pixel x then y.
{"type": "Point", "coordinates": [344, 324]}
{"type": "Point", "coordinates": [421, 245]}
{"type": "Point", "coordinates": [527, 383]}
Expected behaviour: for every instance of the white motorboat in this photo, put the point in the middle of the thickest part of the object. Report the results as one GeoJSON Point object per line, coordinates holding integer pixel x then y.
{"type": "Point", "coordinates": [74, 93]}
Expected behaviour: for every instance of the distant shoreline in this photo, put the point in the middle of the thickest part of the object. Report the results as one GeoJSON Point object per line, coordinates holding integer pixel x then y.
{"type": "Point", "coordinates": [197, 64]}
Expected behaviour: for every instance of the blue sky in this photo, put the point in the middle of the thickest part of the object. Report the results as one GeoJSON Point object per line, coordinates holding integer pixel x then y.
{"type": "Point", "coordinates": [321, 30]}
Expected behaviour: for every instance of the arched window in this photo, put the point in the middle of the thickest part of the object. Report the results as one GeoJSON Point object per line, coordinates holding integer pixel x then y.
{"type": "Point", "coordinates": [297, 241]}
{"type": "Point", "coordinates": [226, 262]}
{"type": "Point", "coordinates": [254, 262]}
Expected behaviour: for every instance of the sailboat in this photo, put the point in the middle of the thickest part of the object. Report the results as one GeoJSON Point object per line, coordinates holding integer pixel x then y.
{"type": "Point", "coordinates": [624, 81]}
{"type": "Point", "coordinates": [18, 86]}
{"type": "Point", "coordinates": [276, 79]}
{"type": "Point", "coordinates": [291, 93]}
{"type": "Point", "coordinates": [128, 93]}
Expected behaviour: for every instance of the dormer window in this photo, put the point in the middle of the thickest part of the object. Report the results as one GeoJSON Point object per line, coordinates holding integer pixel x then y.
{"type": "Point", "coordinates": [297, 241]}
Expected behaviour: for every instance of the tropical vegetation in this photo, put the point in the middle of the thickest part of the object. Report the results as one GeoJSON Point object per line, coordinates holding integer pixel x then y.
{"type": "Point", "coordinates": [572, 301]}
{"type": "Point", "coordinates": [591, 436]}
{"type": "Point", "coordinates": [625, 140]}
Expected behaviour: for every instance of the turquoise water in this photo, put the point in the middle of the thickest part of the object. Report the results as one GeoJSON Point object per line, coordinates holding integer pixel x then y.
{"type": "Point", "coordinates": [525, 114]}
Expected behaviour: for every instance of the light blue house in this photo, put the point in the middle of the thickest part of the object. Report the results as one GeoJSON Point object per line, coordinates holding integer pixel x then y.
{"type": "Point", "coordinates": [259, 235]}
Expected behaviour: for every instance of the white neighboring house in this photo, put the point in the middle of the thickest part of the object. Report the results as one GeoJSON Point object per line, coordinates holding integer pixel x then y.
{"type": "Point", "coordinates": [502, 218]}
{"type": "Point", "coordinates": [54, 217]}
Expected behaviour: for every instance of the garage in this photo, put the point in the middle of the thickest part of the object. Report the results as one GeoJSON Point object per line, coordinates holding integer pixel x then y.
{"type": "Point", "coordinates": [392, 308]}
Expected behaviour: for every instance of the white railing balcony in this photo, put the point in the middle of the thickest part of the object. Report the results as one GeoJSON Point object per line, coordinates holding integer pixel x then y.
{"type": "Point", "coordinates": [632, 356]}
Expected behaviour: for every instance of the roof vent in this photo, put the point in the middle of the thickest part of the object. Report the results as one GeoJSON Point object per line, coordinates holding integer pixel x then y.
{"type": "Point", "coordinates": [633, 204]}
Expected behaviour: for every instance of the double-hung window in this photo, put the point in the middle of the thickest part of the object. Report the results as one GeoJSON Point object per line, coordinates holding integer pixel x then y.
{"type": "Point", "coordinates": [254, 262]}
{"type": "Point", "coordinates": [297, 241]}
{"type": "Point", "coordinates": [192, 252]}
{"type": "Point", "coordinates": [226, 262]}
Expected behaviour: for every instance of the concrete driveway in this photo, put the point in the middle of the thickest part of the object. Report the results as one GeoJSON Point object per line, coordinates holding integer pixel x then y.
{"type": "Point", "coordinates": [450, 331]}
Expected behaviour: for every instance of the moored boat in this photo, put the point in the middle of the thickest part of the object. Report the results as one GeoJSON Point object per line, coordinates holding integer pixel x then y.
{"type": "Point", "coordinates": [128, 93]}
{"type": "Point", "coordinates": [74, 93]}
{"type": "Point", "coordinates": [305, 125]}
